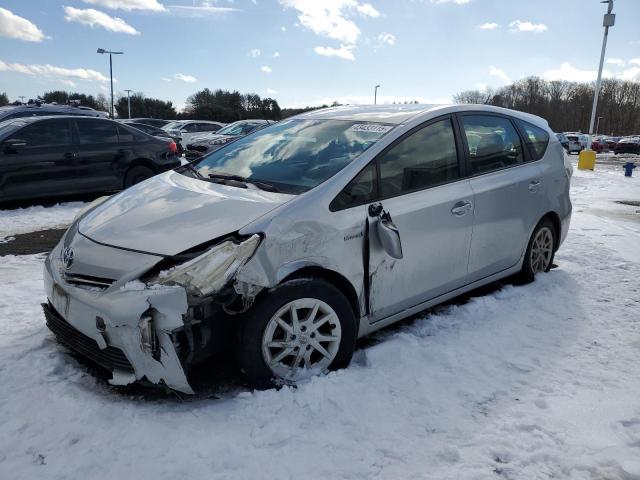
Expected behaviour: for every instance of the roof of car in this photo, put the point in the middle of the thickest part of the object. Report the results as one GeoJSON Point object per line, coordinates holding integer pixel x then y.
{"type": "Point", "coordinates": [397, 114]}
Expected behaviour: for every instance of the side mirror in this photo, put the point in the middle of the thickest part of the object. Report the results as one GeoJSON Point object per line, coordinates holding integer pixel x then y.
{"type": "Point", "coordinates": [13, 145]}
{"type": "Point", "coordinates": [389, 235]}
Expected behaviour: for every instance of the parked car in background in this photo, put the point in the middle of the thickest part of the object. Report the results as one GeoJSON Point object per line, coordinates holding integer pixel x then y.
{"type": "Point", "coordinates": [62, 155]}
{"type": "Point", "coordinates": [288, 244]}
{"type": "Point", "coordinates": [41, 109]}
{"type": "Point", "coordinates": [611, 142]}
{"type": "Point", "coordinates": [577, 142]}
{"type": "Point", "coordinates": [206, 143]}
{"type": "Point", "coordinates": [628, 145]}
{"type": "Point", "coordinates": [599, 145]}
{"type": "Point", "coordinates": [154, 131]}
{"type": "Point", "coordinates": [562, 138]}
{"type": "Point", "coordinates": [155, 122]}
{"type": "Point", "coordinates": [186, 129]}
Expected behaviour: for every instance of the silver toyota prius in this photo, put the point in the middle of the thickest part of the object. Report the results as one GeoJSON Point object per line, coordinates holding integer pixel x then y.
{"type": "Point", "coordinates": [285, 246]}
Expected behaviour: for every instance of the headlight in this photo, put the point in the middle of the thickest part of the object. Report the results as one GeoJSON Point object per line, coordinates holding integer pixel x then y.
{"type": "Point", "coordinates": [91, 206]}
{"type": "Point", "coordinates": [209, 272]}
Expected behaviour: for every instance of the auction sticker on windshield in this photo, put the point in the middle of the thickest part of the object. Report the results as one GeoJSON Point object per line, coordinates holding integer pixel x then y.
{"type": "Point", "coordinates": [371, 127]}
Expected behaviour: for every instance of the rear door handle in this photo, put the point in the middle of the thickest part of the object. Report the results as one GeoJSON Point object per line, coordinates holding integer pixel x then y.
{"type": "Point", "coordinates": [533, 186]}
{"type": "Point", "coordinates": [461, 208]}
{"type": "Point", "coordinates": [69, 155]}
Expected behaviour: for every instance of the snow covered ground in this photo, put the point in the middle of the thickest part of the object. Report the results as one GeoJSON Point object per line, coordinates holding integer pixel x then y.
{"type": "Point", "coordinates": [31, 219]}
{"type": "Point", "coordinates": [537, 381]}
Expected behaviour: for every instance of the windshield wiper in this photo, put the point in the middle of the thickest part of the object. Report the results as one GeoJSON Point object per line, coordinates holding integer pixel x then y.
{"type": "Point", "coordinates": [238, 178]}
{"type": "Point", "coordinates": [189, 166]}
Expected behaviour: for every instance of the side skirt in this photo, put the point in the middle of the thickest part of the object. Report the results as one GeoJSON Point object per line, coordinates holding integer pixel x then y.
{"type": "Point", "coordinates": [366, 327]}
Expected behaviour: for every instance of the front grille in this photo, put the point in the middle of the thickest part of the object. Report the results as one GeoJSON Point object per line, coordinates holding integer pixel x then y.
{"type": "Point", "coordinates": [111, 358]}
{"type": "Point", "coordinates": [87, 281]}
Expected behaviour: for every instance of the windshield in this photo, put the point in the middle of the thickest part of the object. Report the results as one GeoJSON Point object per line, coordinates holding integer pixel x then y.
{"type": "Point", "coordinates": [294, 155]}
{"type": "Point", "coordinates": [237, 128]}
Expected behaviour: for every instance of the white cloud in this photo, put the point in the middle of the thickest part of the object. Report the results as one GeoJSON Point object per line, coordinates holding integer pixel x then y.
{"type": "Point", "coordinates": [128, 5]}
{"type": "Point", "coordinates": [185, 78]}
{"type": "Point", "coordinates": [489, 26]}
{"type": "Point", "coordinates": [330, 18]}
{"type": "Point", "coordinates": [271, 91]}
{"type": "Point", "coordinates": [255, 52]}
{"type": "Point", "coordinates": [519, 26]}
{"type": "Point", "coordinates": [165, 79]}
{"type": "Point", "coordinates": [276, 55]}
{"type": "Point", "coordinates": [13, 26]}
{"type": "Point", "coordinates": [95, 18]}
{"type": "Point", "coordinates": [615, 61]}
{"type": "Point", "coordinates": [368, 10]}
{"type": "Point", "coordinates": [573, 74]}
{"type": "Point", "coordinates": [266, 69]}
{"type": "Point", "coordinates": [200, 10]}
{"type": "Point", "coordinates": [345, 52]}
{"type": "Point", "coordinates": [68, 83]}
{"type": "Point", "coordinates": [632, 74]}
{"type": "Point", "coordinates": [104, 88]}
{"type": "Point", "coordinates": [284, 29]}
{"type": "Point", "coordinates": [47, 70]}
{"type": "Point", "coordinates": [388, 38]}
{"type": "Point", "coordinates": [497, 72]}
{"type": "Point", "coordinates": [457, 2]}
{"type": "Point", "coordinates": [634, 61]}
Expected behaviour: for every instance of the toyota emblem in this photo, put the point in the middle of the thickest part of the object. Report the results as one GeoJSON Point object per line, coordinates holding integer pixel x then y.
{"type": "Point", "coordinates": [67, 257]}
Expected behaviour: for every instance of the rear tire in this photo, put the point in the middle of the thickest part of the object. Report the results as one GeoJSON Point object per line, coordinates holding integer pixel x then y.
{"type": "Point", "coordinates": [540, 251]}
{"type": "Point", "coordinates": [273, 348]}
{"type": "Point", "coordinates": [137, 174]}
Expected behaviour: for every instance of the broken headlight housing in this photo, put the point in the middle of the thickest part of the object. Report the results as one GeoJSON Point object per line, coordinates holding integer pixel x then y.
{"type": "Point", "coordinates": [209, 272]}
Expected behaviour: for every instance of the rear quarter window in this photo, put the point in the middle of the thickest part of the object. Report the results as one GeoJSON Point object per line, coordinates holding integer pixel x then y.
{"type": "Point", "coordinates": [537, 139]}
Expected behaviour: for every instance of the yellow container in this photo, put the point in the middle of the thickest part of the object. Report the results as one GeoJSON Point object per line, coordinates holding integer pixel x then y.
{"type": "Point", "coordinates": [587, 160]}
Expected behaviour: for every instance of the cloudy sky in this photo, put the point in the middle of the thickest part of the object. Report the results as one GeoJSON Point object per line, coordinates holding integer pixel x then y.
{"type": "Point", "coordinates": [308, 52]}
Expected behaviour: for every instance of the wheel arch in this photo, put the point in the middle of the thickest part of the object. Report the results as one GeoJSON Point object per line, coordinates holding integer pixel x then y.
{"type": "Point", "coordinates": [141, 162]}
{"type": "Point", "coordinates": [334, 278]}
{"type": "Point", "coordinates": [557, 226]}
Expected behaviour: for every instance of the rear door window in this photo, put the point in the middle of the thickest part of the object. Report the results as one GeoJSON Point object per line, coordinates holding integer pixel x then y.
{"type": "Point", "coordinates": [96, 132]}
{"type": "Point", "coordinates": [492, 143]}
{"type": "Point", "coordinates": [536, 138]}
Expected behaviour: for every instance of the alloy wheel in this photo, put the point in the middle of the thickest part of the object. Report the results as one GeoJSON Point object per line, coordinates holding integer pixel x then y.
{"type": "Point", "coordinates": [541, 250]}
{"type": "Point", "coordinates": [303, 334]}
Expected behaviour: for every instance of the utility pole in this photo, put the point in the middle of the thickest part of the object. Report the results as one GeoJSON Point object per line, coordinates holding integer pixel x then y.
{"type": "Point", "coordinates": [609, 21]}
{"type": "Point", "coordinates": [101, 51]}
{"type": "Point", "coordinates": [375, 94]}
{"type": "Point", "coordinates": [129, 102]}
{"type": "Point", "coordinates": [598, 125]}
{"type": "Point", "coordinates": [21, 97]}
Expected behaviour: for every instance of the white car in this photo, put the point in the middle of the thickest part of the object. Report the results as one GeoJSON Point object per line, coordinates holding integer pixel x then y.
{"type": "Point", "coordinates": [577, 142]}
{"type": "Point", "coordinates": [187, 129]}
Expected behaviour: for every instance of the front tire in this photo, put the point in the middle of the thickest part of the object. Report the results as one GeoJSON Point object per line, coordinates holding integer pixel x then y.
{"type": "Point", "coordinates": [303, 326]}
{"type": "Point", "coordinates": [540, 251]}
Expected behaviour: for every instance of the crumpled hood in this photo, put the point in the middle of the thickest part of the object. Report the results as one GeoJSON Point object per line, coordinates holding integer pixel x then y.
{"type": "Point", "coordinates": [171, 212]}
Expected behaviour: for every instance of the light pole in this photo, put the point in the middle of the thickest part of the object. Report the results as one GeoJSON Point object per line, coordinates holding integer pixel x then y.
{"type": "Point", "coordinates": [129, 102]}
{"type": "Point", "coordinates": [598, 125]}
{"type": "Point", "coordinates": [21, 97]}
{"type": "Point", "coordinates": [609, 21]}
{"type": "Point", "coordinates": [101, 51]}
{"type": "Point", "coordinates": [375, 94]}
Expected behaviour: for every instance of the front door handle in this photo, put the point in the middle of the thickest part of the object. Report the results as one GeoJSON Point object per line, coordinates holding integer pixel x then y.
{"type": "Point", "coordinates": [461, 208]}
{"type": "Point", "coordinates": [533, 186]}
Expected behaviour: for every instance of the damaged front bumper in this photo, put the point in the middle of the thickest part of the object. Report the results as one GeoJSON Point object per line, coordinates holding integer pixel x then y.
{"type": "Point", "coordinates": [139, 331]}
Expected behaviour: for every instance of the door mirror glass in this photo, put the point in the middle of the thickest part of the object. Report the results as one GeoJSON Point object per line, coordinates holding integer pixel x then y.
{"type": "Point", "coordinates": [389, 236]}
{"type": "Point", "coordinates": [13, 145]}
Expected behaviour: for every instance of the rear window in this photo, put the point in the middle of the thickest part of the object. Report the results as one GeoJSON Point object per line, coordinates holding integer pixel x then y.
{"type": "Point", "coordinates": [536, 138]}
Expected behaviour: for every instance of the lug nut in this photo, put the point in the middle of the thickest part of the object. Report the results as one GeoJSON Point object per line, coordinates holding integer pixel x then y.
{"type": "Point", "coordinates": [308, 347]}
{"type": "Point", "coordinates": [303, 328]}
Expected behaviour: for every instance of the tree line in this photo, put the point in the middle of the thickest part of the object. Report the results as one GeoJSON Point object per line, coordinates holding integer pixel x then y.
{"type": "Point", "coordinates": [220, 105]}
{"type": "Point", "coordinates": [567, 105]}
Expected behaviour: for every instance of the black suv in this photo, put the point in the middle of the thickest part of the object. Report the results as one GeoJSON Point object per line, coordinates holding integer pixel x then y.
{"type": "Point", "coordinates": [62, 155]}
